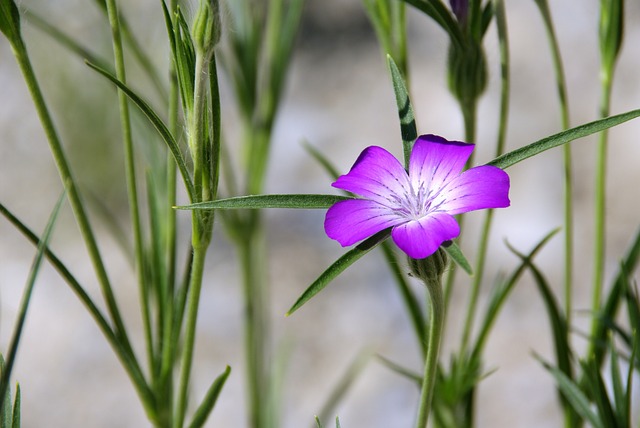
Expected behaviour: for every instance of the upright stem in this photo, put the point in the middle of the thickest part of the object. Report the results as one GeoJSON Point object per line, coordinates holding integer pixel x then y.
{"type": "Point", "coordinates": [436, 321]}
{"type": "Point", "coordinates": [132, 192]}
{"type": "Point", "coordinates": [599, 240]}
{"type": "Point", "coordinates": [201, 225]}
{"type": "Point", "coordinates": [123, 343]}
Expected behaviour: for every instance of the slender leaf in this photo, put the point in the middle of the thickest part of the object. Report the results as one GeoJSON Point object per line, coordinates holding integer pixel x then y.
{"type": "Point", "coordinates": [339, 266]}
{"type": "Point", "coordinates": [10, 21]}
{"type": "Point", "coordinates": [440, 14]}
{"type": "Point", "coordinates": [15, 423]}
{"type": "Point", "coordinates": [207, 405]}
{"type": "Point", "coordinates": [157, 123]}
{"type": "Point", "coordinates": [558, 321]}
{"type": "Point", "coordinates": [318, 423]}
{"type": "Point", "coordinates": [405, 111]}
{"type": "Point", "coordinates": [597, 344]}
{"type": "Point", "coordinates": [269, 201]}
{"type": "Point", "coordinates": [500, 294]}
{"type": "Point", "coordinates": [454, 251]}
{"type": "Point", "coordinates": [6, 414]}
{"type": "Point", "coordinates": [617, 386]}
{"type": "Point", "coordinates": [518, 155]}
{"type": "Point", "coordinates": [345, 383]}
{"type": "Point", "coordinates": [26, 297]}
{"type": "Point", "coordinates": [574, 395]}
{"type": "Point", "coordinates": [401, 370]}
{"type": "Point", "coordinates": [322, 160]}
{"type": "Point", "coordinates": [598, 392]}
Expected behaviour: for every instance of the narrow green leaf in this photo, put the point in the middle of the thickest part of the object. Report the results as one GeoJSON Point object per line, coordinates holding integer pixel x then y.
{"type": "Point", "coordinates": [599, 393]}
{"type": "Point", "coordinates": [337, 422]}
{"type": "Point", "coordinates": [268, 201]}
{"type": "Point", "coordinates": [345, 382]}
{"type": "Point", "coordinates": [617, 386]}
{"type": "Point", "coordinates": [15, 423]}
{"type": "Point", "coordinates": [339, 266]}
{"type": "Point", "coordinates": [207, 405]}
{"type": "Point", "coordinates": [405, 111]}
{"type": "Point", "coordinates": [401, 370]}
{"type": "Point", "coordinates": [616, 294]}
{"type": "Point", "coordinates": [440, 14]}
{"type": "Point", "coordinates": [322, 160]}
{"type": "Point", "coordinates": [26, 298]}
{"type": "Point", "coordinates": [6, 414]}
{"type": "Point", "coordinates": [573, 394]}
{"type": "Point", "coordinates": [499, 296]}
{"type": "Point", "coordinates": [454, 251]}
{"type": "Point", "coordinates": [158, 125]}
{"type": "Point", "coordinates": [518, 155]}
{"type": "Point", "coordinates": [556, 318]}
{"type": "Point", "coordinates": [318, 423]}
{"type": "Point", "coordinates": [66, 41]}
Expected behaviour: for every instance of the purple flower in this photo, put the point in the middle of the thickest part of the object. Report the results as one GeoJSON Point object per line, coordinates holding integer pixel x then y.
{"type": "Point", "coordinates": [418, 206]}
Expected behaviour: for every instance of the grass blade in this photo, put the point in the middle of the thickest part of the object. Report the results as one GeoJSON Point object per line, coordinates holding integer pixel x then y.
{"type": "Point", "coordinates": [405, 111]}
{"type": "Point", "coordinates": [158, 125]}
{"type": "Point", "coordinates": [518, 155]}
{"type": "Point", "coordinates": [26, 298]}
{"type": "Point", "coordinates": [269, 201]}
{"type": "Point", "coordinates": [454, 251]}
{"type": "Point", "coordinates": [573, 394]}
{"type": "Point", "coordinates": [338, 267]}
{"type": "Point", "coordinates": [207, 405]}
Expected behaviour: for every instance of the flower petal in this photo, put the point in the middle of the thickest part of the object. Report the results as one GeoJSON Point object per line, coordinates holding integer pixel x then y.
{"type": "Point", "coordinates": [353, 220]}
{"type": "Point", "coordinates": [421, 238]}
{"type": "Point", "coordinates": [477, 188]}
{"type": "Point", "coordinates": [376, 175]}
{"type": "Point", "coordinates": [435, 161]}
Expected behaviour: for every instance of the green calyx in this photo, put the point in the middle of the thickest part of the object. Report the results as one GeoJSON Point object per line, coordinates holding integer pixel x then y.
{"type": "Point", "coordinates": [467, 71]}
{"type": "Point", "coordinates": [430, 269]}
{"type": "Point", "coordinates": [206, 27]}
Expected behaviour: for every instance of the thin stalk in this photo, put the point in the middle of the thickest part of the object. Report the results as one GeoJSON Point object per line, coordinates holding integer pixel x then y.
{"type": "Point", "coordinates": [132, 191]}
{"type": "Point", "coordinates": [436, 322]}
{"type": "Point", "coordinates": [469, 116]}
{"type": "Point", "coordinates": [599, 240]}
{"type": "Point", "coordinates": [563, 100]}
{"type": "Point", "coordinates": [72, 193]}
{"type": "Point", "coordinates": [168, 345]}
{"type": "Point", "coordinates": [502, 133]}
{"type": "Point", "coordinates": [125, 351]}
{"type": "Point", "coordinates": [201, 228]}
{"type": "Point", "coordinates": [256, 327]}
{"type": "Point", "coordinates": [193, 300]}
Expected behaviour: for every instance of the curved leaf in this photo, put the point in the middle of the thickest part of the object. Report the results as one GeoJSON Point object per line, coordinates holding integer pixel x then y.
{"type": "Point", "coordinates": [268, 201]}
{"type": "Point", "coordinates": [405, 111]}
{"type": "Point", "coordinates": [339, 266]}
{"type": "Point", "coordinates": [518, 155]}
{"type": "Point", "coordinates": [157, 123]}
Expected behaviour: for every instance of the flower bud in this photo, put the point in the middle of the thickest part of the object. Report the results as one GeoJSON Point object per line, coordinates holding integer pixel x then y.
{"type": "Point", "coordinates": [467, 69]}
{"type": "Point", "coordinates": [460, 9]}
{"type": "Point", "coordinates": [10, 21]}
{"type": "Point", "coordinates": [430, 269]}
{"type": "Point", "coordinates": [611, 29]}
{"type": "Point", "coordinates": [206, 27]}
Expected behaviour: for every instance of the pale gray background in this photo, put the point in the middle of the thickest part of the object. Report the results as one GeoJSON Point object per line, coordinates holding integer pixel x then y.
{"type": "Point", "coordinates": [339, 99]}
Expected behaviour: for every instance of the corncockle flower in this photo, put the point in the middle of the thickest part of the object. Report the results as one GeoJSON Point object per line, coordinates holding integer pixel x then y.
{"type": "Point", "coordinates": [419, 205]}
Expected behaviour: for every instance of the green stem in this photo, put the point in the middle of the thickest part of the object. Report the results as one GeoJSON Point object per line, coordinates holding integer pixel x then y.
{"type": "Point", "coordinates": [600, 196]}
{"type": "Point", "coordinates": [123, 343]}
{"type": "Point", "coordinates": [132, 192]}
{"type": "Point", "coordinates": [469, 115]}
{"type": "Point", "coordinates": [563, 100]}
{"type": "Point", "coordinates": [256, 325]}
{"type": "Point", "coordinates": [195, 286]}
{"type": "Point", "coordinates": [201, 224]}
{"type": "Point", "coordinates": [436, 322]}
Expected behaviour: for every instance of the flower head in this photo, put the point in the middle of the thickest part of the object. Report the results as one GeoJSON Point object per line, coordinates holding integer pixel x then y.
{"type": "Point", "coordinates": [419, 205]}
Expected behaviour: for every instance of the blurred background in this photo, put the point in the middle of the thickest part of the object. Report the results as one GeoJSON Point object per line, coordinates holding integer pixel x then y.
{"type": "Point", "coordinates": [339, 99]}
